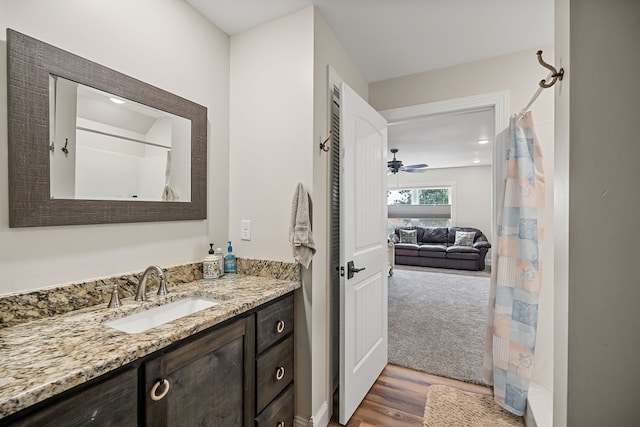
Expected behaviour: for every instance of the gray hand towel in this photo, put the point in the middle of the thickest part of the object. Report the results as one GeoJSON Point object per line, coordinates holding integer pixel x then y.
{"type": "Point", "coordinates": [300, 235]}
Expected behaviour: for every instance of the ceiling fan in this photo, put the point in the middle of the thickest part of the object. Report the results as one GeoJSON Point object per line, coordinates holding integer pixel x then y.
{"type": "Point", "coordinates": [396, 165]}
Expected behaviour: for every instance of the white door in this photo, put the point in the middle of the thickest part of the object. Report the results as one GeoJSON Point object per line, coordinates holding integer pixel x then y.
{"type": "Point", "coordinates": [363, 250]}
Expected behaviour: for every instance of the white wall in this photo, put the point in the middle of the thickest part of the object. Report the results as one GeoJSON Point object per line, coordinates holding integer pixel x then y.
{"type": "Point", "coordinates": [157, 41]}
{"type": "Point", "coordinates": [561, 217]}
{"type": "Point", "coordinates": [599, 196]}
{"type": "Point", "coordinates": [279, 106]}
{"type": "Point", "coordinates": [471, 192]}
{"type": "Point", "coordinates": [518, 73]}
{"type": "Point", "coordinates": [328, 51]}
{"type": "Point", "coordinates": [271, 130]}
{"type": "Point", "coordinates": [271, 150]}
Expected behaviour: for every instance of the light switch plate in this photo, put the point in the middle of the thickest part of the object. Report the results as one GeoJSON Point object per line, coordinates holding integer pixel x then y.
{"type": "Point", "coordinates": [245, 229]}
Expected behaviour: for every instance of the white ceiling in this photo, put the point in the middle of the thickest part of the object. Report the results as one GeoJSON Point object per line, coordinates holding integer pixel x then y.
{"type": "Point", "coordinates": [444, 140]}
{"type": "Point", "coordinates": [393, 38]}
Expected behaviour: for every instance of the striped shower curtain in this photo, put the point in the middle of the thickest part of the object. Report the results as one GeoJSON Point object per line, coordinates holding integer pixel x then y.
{"type": "Point", "coordinates": [516, 269]}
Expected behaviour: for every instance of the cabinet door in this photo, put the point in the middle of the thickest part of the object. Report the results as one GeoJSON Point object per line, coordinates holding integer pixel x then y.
{"type": "Point", "coordinates": [112, 402]}
{"type": "Point", "coordinates": [208, 380]}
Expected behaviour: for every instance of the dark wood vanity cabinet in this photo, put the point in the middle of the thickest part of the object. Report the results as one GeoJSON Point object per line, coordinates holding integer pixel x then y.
{"type": "Point", "coordinates": [236, 374]}
{"type": "Point", "coordinates": [240, 374]}
{"type": "Point", "coordinates": [205, 382]}
{"type": "Point", "coordinates": [274, 364]}
{"type": "Point", "coordinates": [112, 402]}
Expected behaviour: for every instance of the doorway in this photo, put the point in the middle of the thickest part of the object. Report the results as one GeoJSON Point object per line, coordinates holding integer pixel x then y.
{"type": "Point", "coordinates": [497, 102]}
{"type": "Point", "coordinates": [474, 188]}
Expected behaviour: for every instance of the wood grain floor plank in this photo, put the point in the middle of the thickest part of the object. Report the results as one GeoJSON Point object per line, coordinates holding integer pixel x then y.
{"type": "Point", "coordinates": [398, 398]}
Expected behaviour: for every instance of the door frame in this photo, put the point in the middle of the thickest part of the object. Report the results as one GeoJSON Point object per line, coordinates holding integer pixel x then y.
{"type": "Point", "coordinates": [499, 102]}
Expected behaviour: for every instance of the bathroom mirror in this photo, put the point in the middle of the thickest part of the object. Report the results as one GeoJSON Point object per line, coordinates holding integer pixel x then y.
{"type": "Point", "coordinates": [65, 165]}
{"type": "Point", "coordinates": [103, 147]}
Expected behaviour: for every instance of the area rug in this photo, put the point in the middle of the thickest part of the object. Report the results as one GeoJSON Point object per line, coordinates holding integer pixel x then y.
{"type": "Point", "coordinates": [437, 323]}
{"type": "Point", "coordinates": [449, 407]}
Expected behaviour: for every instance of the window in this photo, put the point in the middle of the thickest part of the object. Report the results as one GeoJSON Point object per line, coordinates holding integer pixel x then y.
{"type": "Point", "coordinates": [433, 196]}
{"type": "Point", "coordinates": [419, 207]}
{"type": "Point", "coordinates": [399, 197]}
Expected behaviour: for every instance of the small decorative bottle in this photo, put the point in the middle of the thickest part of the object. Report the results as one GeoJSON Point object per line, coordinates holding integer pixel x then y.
{"type": "Point", "coordinates": [230, 260]}
{"type": "Point", "coordinates": [211, 265]}
{"type": "Point", "coordinates": [220, 257]}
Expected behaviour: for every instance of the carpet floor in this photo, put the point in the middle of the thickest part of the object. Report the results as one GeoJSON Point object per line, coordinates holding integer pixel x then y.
{"type": "Point", "coordinates": [449, 407]}
{"type": "Point", "coordinates": [437, 323]}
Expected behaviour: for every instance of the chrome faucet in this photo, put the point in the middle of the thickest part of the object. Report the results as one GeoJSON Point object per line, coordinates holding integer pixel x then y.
{"type": "Point", "coordinates": [142, 285]}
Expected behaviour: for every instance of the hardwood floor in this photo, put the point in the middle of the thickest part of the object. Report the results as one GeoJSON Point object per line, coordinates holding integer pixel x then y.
{"type": "Point", "coordinates": [397, 399]}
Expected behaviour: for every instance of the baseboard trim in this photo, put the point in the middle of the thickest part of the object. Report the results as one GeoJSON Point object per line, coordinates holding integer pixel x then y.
{"type": "Point", "coordinates": [529, 419]}
{"type": "Point", "coordinates": [321, 419]}
{"type": "Point", "coordinates": [539, 411]}
{"type": "Point", "coordinates": [301, 422]}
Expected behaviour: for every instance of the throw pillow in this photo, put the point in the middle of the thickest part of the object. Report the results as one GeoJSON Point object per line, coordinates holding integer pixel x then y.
{"type": "Point", "coordinates": [408, 236]}
{"type": "Point", "coordinates": [464, 238]}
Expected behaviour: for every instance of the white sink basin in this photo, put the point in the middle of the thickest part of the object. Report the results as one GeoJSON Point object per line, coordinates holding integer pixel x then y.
{"type": "Point", "coordinates": [140, 322]}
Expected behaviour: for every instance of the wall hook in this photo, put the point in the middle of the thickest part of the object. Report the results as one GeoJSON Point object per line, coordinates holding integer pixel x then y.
{"type": "Point", "coordinates": [554, 73]}
{"type": "Point", "coordinates": [64, 149]}
{"type": "Point", "coordinates": [324, 144]}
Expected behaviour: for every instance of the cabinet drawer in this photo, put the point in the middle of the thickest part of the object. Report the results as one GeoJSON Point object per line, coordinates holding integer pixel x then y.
{"type": "Point", "coordinates": [274, 322]}
{"type": "Point", "coordinates": [274, 372]}
{"type": "Point", "coordinates": [279, 411]}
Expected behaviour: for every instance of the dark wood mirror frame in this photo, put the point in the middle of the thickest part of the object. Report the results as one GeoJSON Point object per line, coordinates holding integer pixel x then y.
{"type": "Point", "coordinates": [29, 64]}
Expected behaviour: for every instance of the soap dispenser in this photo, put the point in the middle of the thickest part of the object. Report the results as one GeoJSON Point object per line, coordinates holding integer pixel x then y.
{"type": "Point", "coordinates": [230, 260]}
{"type": "Point", "coordinates": [211, 265]}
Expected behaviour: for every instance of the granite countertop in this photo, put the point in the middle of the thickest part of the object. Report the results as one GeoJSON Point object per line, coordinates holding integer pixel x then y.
{"type": "Point", "coordinates": [45, 357]}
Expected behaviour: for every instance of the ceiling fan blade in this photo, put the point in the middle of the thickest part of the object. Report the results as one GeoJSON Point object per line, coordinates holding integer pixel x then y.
{"type": "Point", "coordinates": [419, 168]}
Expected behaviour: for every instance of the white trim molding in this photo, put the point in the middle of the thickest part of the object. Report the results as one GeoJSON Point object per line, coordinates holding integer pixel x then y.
{"type": "Point", "coordinates": [321, 419]}
{"type": "Point", "coordinates": [301, 422]}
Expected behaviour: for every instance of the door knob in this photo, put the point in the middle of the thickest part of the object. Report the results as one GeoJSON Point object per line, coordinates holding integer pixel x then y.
{"type": "Point", "coordinates": [351, 270]}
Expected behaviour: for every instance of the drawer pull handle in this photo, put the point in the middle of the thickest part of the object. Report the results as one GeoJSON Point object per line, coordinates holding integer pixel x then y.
{"type": "Point", "coordinates": [156, 397]}
{"type": "Point", "coordinates": [280, 326]}
{"type": "Point", "coordinates": [280, 424]}
{"type": "Point", "coordinates": [280, 373]}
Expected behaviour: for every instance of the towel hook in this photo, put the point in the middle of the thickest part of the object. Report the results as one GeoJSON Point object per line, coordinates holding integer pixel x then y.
{"type": "Point", "coordinates": [554, 73]}
{"type": "Point", "coordinates": [324, 144]}
{"type": "Point", "coordinates": [64, 149]}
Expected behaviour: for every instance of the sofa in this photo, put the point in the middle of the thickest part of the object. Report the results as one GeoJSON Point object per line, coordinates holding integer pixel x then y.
{"type": "Point", "coordinates": [462, 248]}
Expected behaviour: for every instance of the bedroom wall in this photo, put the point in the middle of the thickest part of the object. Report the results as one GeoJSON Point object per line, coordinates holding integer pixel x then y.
{"type": "Point", "coordinates": [159, 42]}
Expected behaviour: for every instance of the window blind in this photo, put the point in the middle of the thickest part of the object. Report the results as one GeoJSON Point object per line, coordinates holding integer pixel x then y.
{"type": "Point", "coordinates": [420, 211]}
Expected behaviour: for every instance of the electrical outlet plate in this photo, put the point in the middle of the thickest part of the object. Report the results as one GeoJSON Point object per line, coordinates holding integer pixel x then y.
{"type": "Point", "coordinates": [245, 229]}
